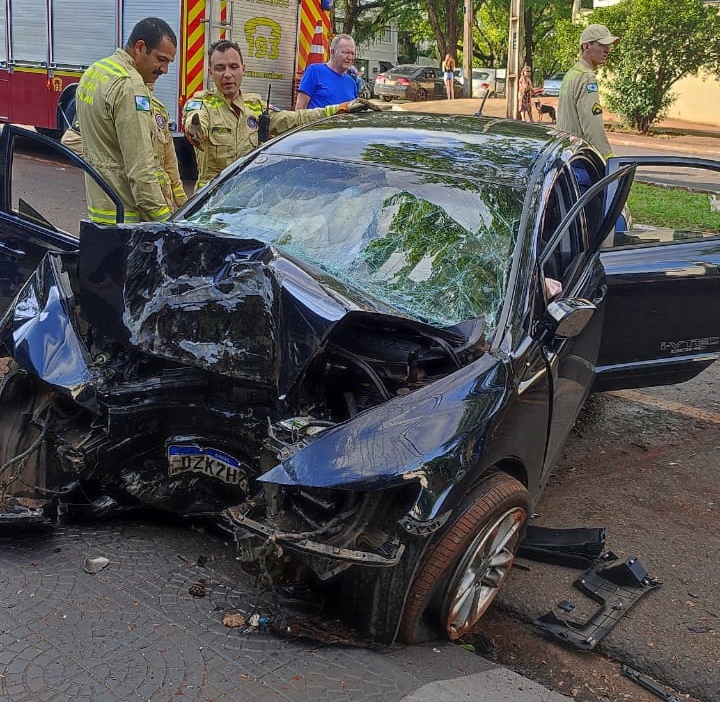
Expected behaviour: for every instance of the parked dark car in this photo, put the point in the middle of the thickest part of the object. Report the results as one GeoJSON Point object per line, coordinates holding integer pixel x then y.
{"type": "Point", "coordinates": [411, 82]}
{"type": "Point", "coordinates": [551, 85]}
{"type": "Point", "coordinates": [348, 352]}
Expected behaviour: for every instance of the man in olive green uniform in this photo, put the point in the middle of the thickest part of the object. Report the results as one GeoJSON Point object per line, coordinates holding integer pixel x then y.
{"type": "Point", "coordinates": [579, 108]}
{"type": "Point", "coordinates": [166, 163]}
{"type": "Point", "coordinates": [115, 116]}
{"type": "Point", "coordinates": [223, 126]}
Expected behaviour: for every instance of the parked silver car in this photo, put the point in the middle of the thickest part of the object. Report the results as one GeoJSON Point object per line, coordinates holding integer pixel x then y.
{"type": "Point", "coordinates": [551, 85]}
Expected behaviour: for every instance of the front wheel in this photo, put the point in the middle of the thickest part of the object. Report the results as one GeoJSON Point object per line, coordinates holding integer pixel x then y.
{"type": "Point", "coordinates": [387, 98]}
{"type": "Point", "coordinates": [462, 572]}
{"type": "Point", "coordinates": [421, 95]}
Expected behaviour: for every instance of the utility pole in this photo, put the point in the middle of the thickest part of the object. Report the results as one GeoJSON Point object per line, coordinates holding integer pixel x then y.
{"type": "Point", "coordinates": [515, 47]}
{"type": "Point", "coordinates": [467, 48]}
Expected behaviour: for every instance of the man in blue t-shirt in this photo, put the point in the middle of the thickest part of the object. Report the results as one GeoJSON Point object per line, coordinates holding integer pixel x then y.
{"type": "Point", "coordinates": [328, 83]}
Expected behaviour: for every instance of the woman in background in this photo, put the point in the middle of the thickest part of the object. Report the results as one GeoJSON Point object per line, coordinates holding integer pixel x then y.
{"type": "Point", "coordinates": [525, 94]}
{"type": "Point", "coordinates": [448, 67]}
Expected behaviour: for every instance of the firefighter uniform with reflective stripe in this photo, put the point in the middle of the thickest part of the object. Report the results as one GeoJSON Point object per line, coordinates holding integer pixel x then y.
{"type": "Point", "coordinates": [579, 109]}
{"type": "Point", "coordinates": [116, 121]}
{"type": "Point", "coordinates": [168, 173]}
{"type": "Point", "coordinates": [231, 128]}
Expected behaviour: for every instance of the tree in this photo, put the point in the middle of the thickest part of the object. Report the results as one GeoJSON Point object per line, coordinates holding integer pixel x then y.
{"type": "Point", "coordinates": [661, 42]}
{"type": "Point", "coordinates": [541, 21]}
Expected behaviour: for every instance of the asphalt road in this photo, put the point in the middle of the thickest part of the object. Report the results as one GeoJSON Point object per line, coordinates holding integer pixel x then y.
{"type": "Point", "coordinates": [642, 464]}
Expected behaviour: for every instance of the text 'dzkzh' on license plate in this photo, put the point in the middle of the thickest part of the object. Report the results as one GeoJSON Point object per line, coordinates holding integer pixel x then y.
{"type": "Point", "coordinates": [208, 461]}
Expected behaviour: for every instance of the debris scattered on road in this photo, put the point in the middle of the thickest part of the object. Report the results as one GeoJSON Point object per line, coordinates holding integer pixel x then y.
{"type": "Point", "coordinates": [649, 684]}
{"type": "Point", "coordinates": [616, 587]}
{"type": "Point", "coordinates": [198, 589]}
{"type": "Point", "coordinates": [574, 547]}
{"type": "Point", "coordinates": [234, 620]}
{"type": "Point", "coordinates": [95, 564]}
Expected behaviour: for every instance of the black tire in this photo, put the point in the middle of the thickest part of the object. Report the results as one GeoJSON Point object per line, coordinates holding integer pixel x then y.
{"type": "Point", "coordinates": [480, 539]}
{"type": "Point", "coordinates": [421, 95]}
{"type": "Point", "coordinates": [20, 397]}
{"type": "Point", "coordinates": [387, 98]}
{"type": "Point", "coordinates": [365, 93]}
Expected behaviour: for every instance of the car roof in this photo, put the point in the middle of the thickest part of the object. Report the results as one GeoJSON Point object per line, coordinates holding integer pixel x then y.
{"type": "Point", "coordinates": [408, 68]}
{"type": "Point", "coordinates": [500, 151]}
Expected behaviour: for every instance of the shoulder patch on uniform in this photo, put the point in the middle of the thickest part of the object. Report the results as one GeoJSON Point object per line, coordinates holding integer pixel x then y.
{"type": "Point", "coordinates": [252, 123]}
{"type": "Point", "coordinates": [597, 109]}
{"type": "Point", "coordinates": [592, 87]}
{"type": "Point", "coordinates": [193, 105]}
{"type": "Point", "coordinates": [160, 121]}
{"type": "Point", "coordinates": [142, 103]}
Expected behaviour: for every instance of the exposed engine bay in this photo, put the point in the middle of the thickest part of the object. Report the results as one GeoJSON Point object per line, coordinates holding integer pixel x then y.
{"type": "Point", "coordinates": [171, 404]}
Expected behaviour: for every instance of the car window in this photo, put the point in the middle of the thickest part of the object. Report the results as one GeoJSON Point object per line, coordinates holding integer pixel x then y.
{"type": "Point", "coordinates": [438, 249]}
{"type": "Point", "coordinates": [29, 166]}
{"type": "Point", "coordinates": [561, 256]}
{"type": "Point", "coordinates": [669, 202]}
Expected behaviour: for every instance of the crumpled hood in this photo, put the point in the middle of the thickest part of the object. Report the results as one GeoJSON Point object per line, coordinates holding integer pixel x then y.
{"type": "Point", "coordinates": [233, 306]}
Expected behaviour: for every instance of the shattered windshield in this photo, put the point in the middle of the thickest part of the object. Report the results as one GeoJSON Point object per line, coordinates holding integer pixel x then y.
{"type": "Point", "coordinates": [436, 248]}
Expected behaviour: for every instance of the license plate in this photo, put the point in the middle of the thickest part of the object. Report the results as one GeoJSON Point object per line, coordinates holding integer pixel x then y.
{"type": "Point", "coordinates": [208, 461]}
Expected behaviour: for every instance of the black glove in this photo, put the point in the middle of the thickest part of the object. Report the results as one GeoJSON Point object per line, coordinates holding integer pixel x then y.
{"type": "Point", "coordinates": [194, 132]}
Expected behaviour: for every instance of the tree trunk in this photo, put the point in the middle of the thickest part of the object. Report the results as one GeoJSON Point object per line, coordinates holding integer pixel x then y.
{"type": "Point", "coordinates": [443, 20]}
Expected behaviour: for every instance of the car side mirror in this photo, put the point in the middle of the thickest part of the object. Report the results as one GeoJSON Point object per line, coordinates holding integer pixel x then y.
{"type": "Point", "coordinates": [568, 317]}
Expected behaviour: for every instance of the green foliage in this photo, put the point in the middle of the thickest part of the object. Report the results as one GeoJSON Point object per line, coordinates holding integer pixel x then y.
{"type": "Point", "coordinates": [490, 34]}
{"type": "Point", "coordinates": [661, 41]}
{"type": "Point", "coordinates": [558, 50]}
{"type": "Point", "coordinates": [674, 208]}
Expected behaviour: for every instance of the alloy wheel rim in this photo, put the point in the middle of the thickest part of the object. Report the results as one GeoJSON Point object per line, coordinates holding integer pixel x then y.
{"type": "Point", "coordinates": [482, 570]}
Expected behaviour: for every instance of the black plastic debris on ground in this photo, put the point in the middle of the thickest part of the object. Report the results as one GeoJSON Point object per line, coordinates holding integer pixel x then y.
{"type": "Point", "coordinates": [615, 587]}
{"type": "Point", "coordinates": [649, 684]}
{"type": "Point", "coordinates": [574, 547]}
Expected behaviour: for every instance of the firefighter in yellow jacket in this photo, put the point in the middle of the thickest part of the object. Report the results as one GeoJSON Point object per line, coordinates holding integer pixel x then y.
{"type": "Point", "coordinates": [223, 126]}
{"type": "Point", "coordinates": [115, 116]}
{"type": "Point", "coordinates": [166, 163]}
{"type": "Point", "coordinates": [167, 169]}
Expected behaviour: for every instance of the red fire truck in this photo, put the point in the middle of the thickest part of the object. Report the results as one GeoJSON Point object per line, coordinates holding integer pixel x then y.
{"type": "Point", "coordinates": [45, 45]}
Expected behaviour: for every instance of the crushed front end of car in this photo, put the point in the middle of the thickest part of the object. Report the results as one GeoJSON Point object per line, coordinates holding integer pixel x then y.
{"type": "Point", "coordinates": [219, 379]}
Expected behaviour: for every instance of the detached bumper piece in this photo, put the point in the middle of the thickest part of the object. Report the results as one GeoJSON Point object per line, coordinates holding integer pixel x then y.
{"type": "Point", "coordinates": [617, 588]}
{"type": "Point", "coordinates": [574, 548]}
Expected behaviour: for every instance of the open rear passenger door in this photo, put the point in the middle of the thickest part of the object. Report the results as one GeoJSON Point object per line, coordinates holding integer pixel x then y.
{"type": "Point", "coordinates": [662, 318]}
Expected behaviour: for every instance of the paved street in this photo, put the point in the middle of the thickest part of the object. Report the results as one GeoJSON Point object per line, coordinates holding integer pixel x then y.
{"type": "Point", "coordinates": [134, 632]}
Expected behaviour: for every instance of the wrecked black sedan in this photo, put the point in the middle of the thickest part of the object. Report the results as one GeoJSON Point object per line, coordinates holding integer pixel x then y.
{"type": "Point", "coordinates": [358, 352]}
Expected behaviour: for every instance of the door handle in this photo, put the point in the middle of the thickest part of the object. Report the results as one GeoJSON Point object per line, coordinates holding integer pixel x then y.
{"type": "Point", "coordinates": [600, 294]}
